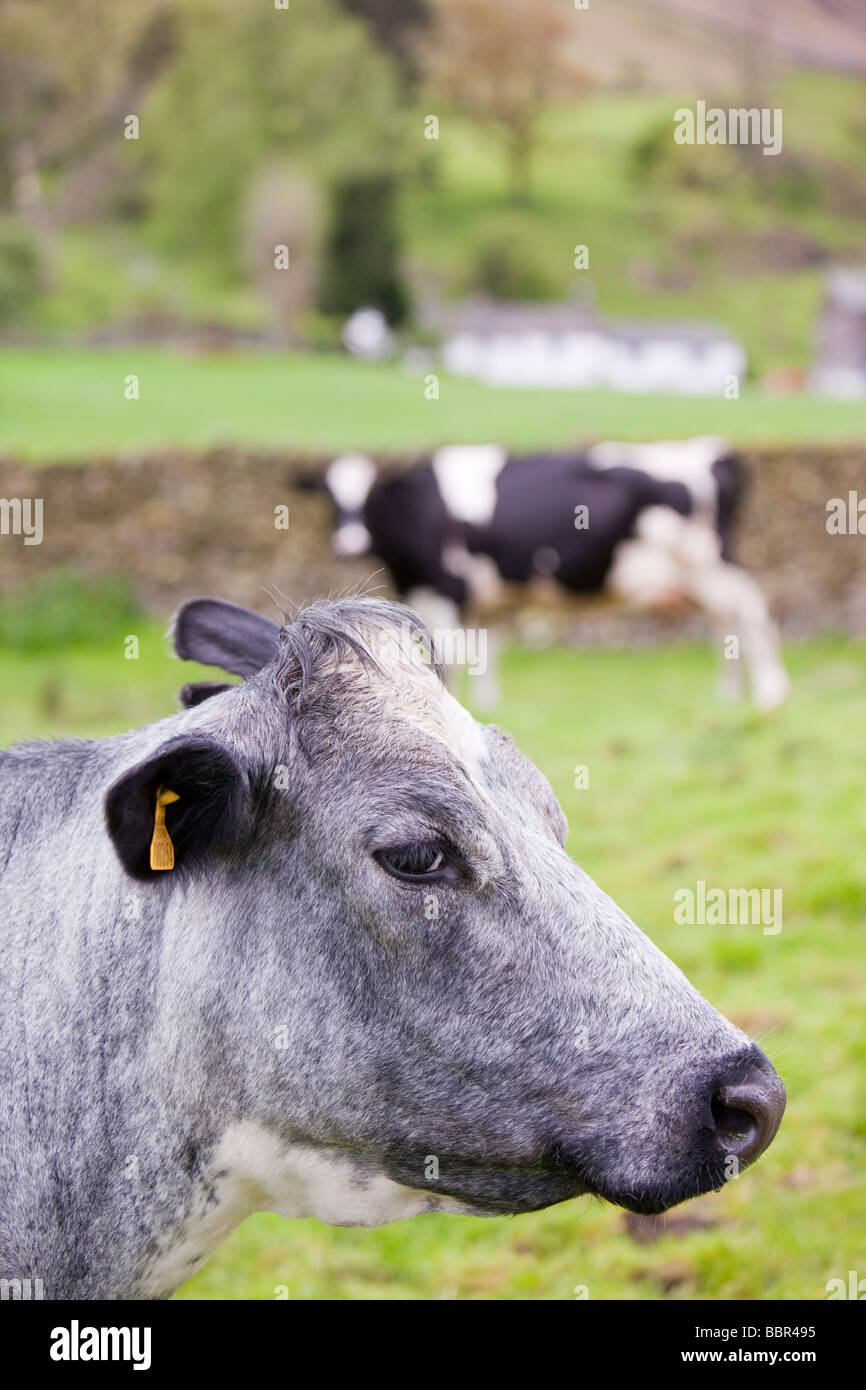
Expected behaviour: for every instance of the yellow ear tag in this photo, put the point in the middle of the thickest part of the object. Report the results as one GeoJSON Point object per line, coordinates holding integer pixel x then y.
{"type": "Point", "coordinates": [161, 848]}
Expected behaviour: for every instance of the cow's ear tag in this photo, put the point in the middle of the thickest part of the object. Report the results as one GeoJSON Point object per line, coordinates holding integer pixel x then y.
{"type": "Point", "coordinates": [161, 847]}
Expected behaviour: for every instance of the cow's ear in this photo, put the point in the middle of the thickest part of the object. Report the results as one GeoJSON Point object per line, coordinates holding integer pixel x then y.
{"type": "Point", "coordinates": [217, 633]}
{"type": "Point", "coordinates": [199, 691]}
{"type": "Point", "coordinates": [189, 800]}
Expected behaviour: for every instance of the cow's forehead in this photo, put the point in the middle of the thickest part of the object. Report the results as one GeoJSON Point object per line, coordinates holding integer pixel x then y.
{"type": "Point", "coordinates": [408, 686]}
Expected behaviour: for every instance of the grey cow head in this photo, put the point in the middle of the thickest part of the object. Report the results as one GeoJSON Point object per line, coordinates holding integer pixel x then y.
{"type": "Point", "coordinates": [403, 993]}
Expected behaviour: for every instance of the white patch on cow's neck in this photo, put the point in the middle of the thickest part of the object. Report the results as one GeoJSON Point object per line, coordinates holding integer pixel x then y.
{"type": "Point", "coordinates": [251, 1170]}
{"type": "Point", "coordinates": [466, 477]}
{"type": "Point", "coordinates": [688, 461]}
{"type": "Point", "coordinates": [349, 479]}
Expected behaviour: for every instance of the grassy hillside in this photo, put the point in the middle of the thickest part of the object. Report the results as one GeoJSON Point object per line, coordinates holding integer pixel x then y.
{"type": "Point", "coordinates": [680, 790]}
{"type": "Point", "coordinates": [700, 234]}
{"type": "Point", "coordinates": [672, 231]}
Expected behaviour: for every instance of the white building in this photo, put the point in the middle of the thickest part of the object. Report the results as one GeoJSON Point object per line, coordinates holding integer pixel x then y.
{"type": "Point", "coordinates": [539, 345]}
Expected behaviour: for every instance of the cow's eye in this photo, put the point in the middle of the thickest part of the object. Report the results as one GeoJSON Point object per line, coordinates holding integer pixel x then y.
{"type": "Point", "coordinates": [413, 863]}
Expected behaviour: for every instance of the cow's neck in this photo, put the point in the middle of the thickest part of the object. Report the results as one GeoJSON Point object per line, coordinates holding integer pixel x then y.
{"type": "Point", "coordinates": [106, 1149]}
{"type": "Point", "coordinates": [252, 1169]}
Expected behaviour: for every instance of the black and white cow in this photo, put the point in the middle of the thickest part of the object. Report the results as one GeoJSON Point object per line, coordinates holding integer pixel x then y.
{"type": "Point", "coordinates": [474, 530]}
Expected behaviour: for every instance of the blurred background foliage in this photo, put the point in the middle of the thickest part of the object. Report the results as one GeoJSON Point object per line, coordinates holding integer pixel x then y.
{"type": "Point", "coordinates": [311, 126]}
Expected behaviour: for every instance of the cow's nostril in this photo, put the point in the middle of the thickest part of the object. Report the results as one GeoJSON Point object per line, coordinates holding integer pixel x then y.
{"type": "Point", "coordinates": [747, 1114]}
{"type": "Point", "coordinates": [736, 1128]}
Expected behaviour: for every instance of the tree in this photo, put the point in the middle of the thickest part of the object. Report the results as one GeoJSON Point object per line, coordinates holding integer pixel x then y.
{"type": "Point", "coordinates": [502, 62]}
{"type": "Point", "coordinates": [361, 253]}
{"type": "Point", "coordinates": [252, 85]}
{"type": "Point", "coordinates": [282, 237]}
{"type": "Point", "coordinates": [68, 76]}
{"type": "Point", "coordinates": [394, 24]}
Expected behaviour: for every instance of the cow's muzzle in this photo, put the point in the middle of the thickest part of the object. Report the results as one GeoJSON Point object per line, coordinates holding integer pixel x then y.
{"type": "Point", "coordinates": [731, 1118]}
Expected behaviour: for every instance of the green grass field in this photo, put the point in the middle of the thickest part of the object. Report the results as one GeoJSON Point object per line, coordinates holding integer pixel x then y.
{"type": "Point", "coordinates": [681, 789]}
{"type": "Point", "coordinates": [62, 404]}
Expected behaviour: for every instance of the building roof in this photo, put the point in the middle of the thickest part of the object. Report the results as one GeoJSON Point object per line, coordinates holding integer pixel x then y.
{"type": "Point", "coordinates": [488, 318]}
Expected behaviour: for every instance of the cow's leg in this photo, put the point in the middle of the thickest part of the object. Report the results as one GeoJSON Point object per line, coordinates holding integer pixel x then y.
{"type": "Point", "coordinates": [732, 674]}
{"type": "Point", "coordinates": [483, 613]}
{"type": "Point", "coordinates": [484, 645]}
{"type": "Point", "coordinates": [442, 617]}
{"type": "Point", "coordinates": [734, 601]}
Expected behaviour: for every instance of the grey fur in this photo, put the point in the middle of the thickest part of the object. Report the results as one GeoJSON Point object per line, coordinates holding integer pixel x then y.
{"type": "Point", "coordinates": [530, 1036]}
